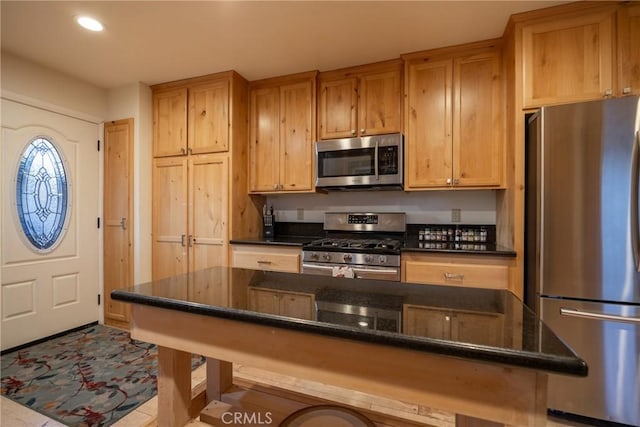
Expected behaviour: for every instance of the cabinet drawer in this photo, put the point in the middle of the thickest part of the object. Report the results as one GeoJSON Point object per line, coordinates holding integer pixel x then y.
{"type": "Point", "coordinates": [257, 258]}
{"type": "Point", "coordinates": [458, 274]}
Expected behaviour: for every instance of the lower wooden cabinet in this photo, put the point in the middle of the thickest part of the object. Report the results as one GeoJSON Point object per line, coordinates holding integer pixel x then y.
{"type": "Point", "coordinates": [282, 303]}
{"type": "Point", "coordinates": [268, 258]}
{"type": "Point", "coordinates": [478, 271]}
{"type": "Point", "coordinates": [464, 326]}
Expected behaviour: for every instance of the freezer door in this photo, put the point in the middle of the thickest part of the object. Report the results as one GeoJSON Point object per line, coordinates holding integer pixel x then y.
{"type": "Point", "coordinates": [607, 337]}
{"type": "Point", "coordinates": [589, 200]}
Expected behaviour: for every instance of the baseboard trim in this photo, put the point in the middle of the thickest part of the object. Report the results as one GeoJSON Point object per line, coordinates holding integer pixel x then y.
{"type": "Point", "coordinates": [50, 337]}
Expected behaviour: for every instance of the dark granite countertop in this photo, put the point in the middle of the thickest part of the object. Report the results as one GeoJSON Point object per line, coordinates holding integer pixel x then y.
{"type": "Point", "coordinates": [275, 241]}
{"type": "Point", "coordinates": [524, 340]}
{"type": "Point", "coordinates": [414, 245]}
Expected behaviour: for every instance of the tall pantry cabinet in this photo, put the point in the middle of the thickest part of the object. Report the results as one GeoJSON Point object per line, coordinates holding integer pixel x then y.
{"type": "Point", "coordinates": [200, 193]}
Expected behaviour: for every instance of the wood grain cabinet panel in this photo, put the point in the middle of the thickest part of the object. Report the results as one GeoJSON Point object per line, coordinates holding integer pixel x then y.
{"type": "Point", "coordinates": [568, 58]}
{"type": "Point", "coordinates": [282, 133]}
{"type": "Point", "coordinates": [291, 304]}
{"type": "Point", "coordinates": [480, 271]}
{"type": "Point", "coordinates": [629, 49]}
{"type": "Point", "coordinates": [455, 121]}
{"type": "Point", "coordinates": [461, 325]}
{"type": "Point", "coordinates": [190, 224]}
{"type": "Point", "coordinates": [170, 122]}
{"type": "Point", "coordinates": [209, 118]}
{"type": "Point", "coordinates": [360, 101]}
{"type": "Point", "coordinates": [262, 257]}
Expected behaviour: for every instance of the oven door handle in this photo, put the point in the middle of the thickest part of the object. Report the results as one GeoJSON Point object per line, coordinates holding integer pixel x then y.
{"type": "Point", "coordinates": [375, 161]}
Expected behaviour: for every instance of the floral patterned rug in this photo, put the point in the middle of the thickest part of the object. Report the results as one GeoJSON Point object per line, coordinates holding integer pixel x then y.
{"type": "Point", "coordinates": [90, 377]}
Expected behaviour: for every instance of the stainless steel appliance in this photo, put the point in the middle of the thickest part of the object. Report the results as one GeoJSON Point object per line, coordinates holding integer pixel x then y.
{"type": "Point", "coordinates": [586, 264]}
{"type": "Point", "coordinates": [370, 162]}
{"type": "Point", "coordinates": [358, 245]}
{"type": "Point", "coordinates": [361, 310]}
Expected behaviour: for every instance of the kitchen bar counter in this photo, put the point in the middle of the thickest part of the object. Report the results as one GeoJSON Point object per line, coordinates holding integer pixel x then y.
{"type": "Point", "coordinates": [210, 312]}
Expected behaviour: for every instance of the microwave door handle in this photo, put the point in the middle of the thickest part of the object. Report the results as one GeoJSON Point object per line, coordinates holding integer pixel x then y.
{"type": "Point", "coordinates": [375, 161]}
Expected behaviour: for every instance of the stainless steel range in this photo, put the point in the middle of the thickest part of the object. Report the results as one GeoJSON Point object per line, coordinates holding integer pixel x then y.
{"type": "Point", "coordinates": [357, 245]}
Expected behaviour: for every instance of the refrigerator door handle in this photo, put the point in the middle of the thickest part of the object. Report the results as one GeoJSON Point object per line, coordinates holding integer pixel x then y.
{"type": "Point", "coordinates": [635, 187]}
{"type": "Point", "coordinates": [598, 316]}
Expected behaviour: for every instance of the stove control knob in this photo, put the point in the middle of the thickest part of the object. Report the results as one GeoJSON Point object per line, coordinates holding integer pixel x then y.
{"type": "Point", "coordinates": [382, 259]}
{"type": "Point", "coordinates": [368, 258]}
{"type": "Point", "coordinates": [347, 257]}
{"type": "Point", "coordinates": [326, 257]}
{"type": "Point", "coordinates": [314, 255]}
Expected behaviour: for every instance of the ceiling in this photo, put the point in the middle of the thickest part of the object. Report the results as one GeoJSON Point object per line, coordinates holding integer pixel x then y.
{"type": "Point", "coordinates": [160, 41]}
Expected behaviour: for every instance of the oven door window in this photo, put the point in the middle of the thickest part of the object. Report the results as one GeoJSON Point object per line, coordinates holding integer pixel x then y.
{"type": "Point", "coordinates": [354, 162]}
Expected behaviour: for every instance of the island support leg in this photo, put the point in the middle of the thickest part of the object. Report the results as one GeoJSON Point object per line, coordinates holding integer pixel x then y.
{"type": "Point", "coordinates": [174, 387]}
{"type": "Point", "coordinates": [219, 378]}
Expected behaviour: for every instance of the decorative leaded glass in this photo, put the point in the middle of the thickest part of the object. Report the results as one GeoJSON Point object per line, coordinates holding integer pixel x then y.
{"type": "Point", "coordinates": [42, 193]}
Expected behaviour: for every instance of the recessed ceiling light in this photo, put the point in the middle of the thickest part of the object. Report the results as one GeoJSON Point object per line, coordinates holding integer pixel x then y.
{"type": "Point", "coordinates": [89, 23]}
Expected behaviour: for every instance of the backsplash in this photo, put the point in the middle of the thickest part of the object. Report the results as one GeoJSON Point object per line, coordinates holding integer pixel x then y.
{"type": "Point", "coordinates": [427, 207]}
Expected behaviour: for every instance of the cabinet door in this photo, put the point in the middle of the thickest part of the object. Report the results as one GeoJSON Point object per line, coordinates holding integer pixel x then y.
{"type": "Point", "coordinates": [208, 207]}
{"type": "Point", "coordinates": [264, 143]}
{"type": "Point", "coordinates": [170, 123]}
{"type": "Point", "coordinates": [296, 136]}
{"type": "Point", "coordinates": [380, 98]}
{"type": "Point", "coordinates": [568, 59]}
{"type": "Point", "coordinates": [429, 122]}
{"type": "Point", "coordinates": [264, 301]}
{"type": "Point", "coordinates": [629, 49]}
{"type": "Point", "coordinates": [169, 227]}
{"type": "Point", "coordinates": [426, 322]}
{"type": "Point", "coordinates": [298, 306]}
{"type": "Point", "coordinates": [477, 328]}
{"type": "Point", "coordinates": [478, 120]}
{"type": "Point", "coordinates": [209, 118]}
{"type": "Point", "coordinates": [337, 112]}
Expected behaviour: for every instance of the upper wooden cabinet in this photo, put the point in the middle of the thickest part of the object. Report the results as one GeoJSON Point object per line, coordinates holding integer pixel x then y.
{"type": "Point", "coordinates": [193, 119]}
{"type": "Point", "coordinates": [282, 132]}
{"type": "Point", "coordinates": [170, 122]}
{"type": "Point", "coordinates": [454, 121]}
{"type": "Point", "coordinates": [209, 118]}
{"type": "Point", "coordinates": [360, 101]}
{"type": "Point", "coordinates": [569, 58]}
{"type": "Point", "coordinates": [629, 49]}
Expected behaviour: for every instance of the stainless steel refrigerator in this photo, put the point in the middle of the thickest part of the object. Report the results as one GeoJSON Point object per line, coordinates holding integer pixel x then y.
{"type": "Point", "coordinates": [585, 261]}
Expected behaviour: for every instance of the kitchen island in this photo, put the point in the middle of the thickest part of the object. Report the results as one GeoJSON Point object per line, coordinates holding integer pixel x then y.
{"type": "Point", "coordinates": [475, 352]}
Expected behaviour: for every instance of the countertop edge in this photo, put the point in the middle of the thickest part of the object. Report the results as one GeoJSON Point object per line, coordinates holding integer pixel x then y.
{"type": "Point", "coordinates": [523, 359]}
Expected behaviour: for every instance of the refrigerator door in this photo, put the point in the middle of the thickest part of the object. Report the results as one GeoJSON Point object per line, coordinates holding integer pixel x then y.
{"type": "Point", "coordinates": [588, 203]}
{"type": "Point", "coordinates": [607, 337]}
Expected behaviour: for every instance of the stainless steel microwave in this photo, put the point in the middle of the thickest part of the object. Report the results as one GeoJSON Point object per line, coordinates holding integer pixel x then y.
{"type": "Point", "coordinates": [369, 162]}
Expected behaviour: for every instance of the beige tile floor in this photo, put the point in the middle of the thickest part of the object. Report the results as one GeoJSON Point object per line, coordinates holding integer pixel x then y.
{"type": "Point", "coordinates": [15, 415]}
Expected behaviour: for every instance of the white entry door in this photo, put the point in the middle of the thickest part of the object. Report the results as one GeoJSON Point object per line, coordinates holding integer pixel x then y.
{"type": "Point", "coordinates": [50, 238]}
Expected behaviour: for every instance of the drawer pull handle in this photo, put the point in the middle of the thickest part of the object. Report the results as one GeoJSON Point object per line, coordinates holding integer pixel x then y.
{"type": "Point", "coordinates": [264, 262]}
{"type": "Point", "coordinates": [452, 276]}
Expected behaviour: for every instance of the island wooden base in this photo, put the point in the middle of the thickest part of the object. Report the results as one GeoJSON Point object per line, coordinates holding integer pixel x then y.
{"type": "Point", "coordinates": [502, 394]}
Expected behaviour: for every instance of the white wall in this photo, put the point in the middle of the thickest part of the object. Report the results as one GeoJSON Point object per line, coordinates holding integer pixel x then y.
{"type": "Point", "coordinates": [52, 88]}
{"type": "Point", "coordinates": [421, 207]}
{"type": "Point", "coordinates": [134, 101]}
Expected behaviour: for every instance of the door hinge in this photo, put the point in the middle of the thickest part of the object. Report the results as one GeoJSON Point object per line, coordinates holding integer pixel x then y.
{"type": "Point", "coordinates": [98, 299]}
{"type": "Point", "coordinates": [98, 145]}
{"type": "Point", "coordinates": [98, 222]}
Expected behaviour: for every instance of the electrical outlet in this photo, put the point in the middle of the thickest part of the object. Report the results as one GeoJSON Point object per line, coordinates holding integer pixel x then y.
{"type": "Point", "coordinates": [456, 215]}
{"type": "Point", "coordinates": [300, 213]}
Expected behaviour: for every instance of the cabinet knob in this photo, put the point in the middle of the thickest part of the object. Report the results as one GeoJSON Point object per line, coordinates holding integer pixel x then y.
{"type": "Point", "coordinates": [363, 131]}
{"type": "Point", "coordinates": [456, 181]}
{"type": "Point", "coordinates": [448, 181]}
{"type": "Point", "coordinates": [275, 186]}
{"type": "Point", "coordinates": [608, 93]}
{"type": "Point", "coordinates": [353, 132]}
{"type": "Point", "coordinates": [626, 90]}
